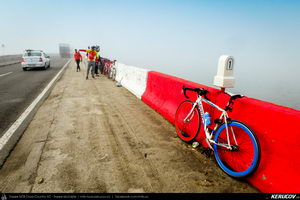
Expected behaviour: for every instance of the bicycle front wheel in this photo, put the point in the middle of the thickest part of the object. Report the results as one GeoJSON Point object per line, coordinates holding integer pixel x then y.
{"type": "Point", "coordinates": [188, 129]}
{"type": "Point", "coordinates": [110, 74]}
{"type": "Point", "coordinates": [243, 159]}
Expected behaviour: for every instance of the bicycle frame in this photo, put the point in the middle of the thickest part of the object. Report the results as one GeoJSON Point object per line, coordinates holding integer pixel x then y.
{"type": "Point", "coordinates": [209, 136]}
{"type": "Point", "coordinates": [112, 68]}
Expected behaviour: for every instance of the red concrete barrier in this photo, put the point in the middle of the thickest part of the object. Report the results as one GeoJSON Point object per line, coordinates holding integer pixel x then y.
{"type": "Point", "coordinates": [164, 93]}
{"type": "Point", "coordinates": [275, 126]}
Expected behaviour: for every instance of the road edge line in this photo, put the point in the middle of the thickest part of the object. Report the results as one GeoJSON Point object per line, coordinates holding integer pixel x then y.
{"type": "Point", "coordinates": [5, 74]}
{"type": "Point", "coordinates": [10, 138]}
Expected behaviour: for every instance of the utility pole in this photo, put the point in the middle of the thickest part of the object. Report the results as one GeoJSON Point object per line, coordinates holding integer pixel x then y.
{"type": "Point", "coordinates": [3, 48]}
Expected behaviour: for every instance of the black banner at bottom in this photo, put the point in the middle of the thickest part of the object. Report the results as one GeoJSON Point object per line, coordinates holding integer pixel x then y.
{"type": "Point", "coordinates": [231, 196]}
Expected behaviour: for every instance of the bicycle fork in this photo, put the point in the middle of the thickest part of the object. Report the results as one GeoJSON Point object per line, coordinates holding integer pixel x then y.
{"type": "Point", "coordinates": [190, 115]}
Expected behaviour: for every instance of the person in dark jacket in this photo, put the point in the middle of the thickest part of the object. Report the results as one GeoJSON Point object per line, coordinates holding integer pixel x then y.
{"type": "Point", "coordinates": [97, 61]}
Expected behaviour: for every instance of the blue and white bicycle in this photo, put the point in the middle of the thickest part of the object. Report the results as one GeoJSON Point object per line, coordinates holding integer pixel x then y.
{"type": "Point", "coordinates": [234, 144]}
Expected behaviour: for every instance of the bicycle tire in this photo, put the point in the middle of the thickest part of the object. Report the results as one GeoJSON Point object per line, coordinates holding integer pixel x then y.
{"type": "Point", "coordinates": [105, 70]}
{"type": "Point", "coordinates": [113, 74]}
{"type": "Point", "coordinates": [110, 74]}
{"type": "Point", "coordinates": [187, 131]}
{"type": "Point", "coordinates": [243, 161]}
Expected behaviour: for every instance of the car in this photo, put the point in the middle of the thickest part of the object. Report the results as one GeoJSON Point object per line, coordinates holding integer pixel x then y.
{"type": "Point", "coordinates": [35, 59]}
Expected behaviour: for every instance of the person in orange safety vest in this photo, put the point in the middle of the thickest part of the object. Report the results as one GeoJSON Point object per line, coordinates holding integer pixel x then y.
{"type": "Point", "coordinates": [78, 59]}
{"type": "Point", "coordinates": [92, 53]}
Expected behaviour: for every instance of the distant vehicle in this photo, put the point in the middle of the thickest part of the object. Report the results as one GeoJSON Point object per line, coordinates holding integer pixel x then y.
{"type": "Point", "coordinates": [35, 59]}
{"type": "Point", "coordinates": [64, 50]}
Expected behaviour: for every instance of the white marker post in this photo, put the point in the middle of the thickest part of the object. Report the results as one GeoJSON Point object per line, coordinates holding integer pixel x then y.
{"type": "Point", "coordinates": [224, 77]}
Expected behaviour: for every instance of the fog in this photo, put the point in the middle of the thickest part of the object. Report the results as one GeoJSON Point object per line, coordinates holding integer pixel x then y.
{"type": "Point", "coordinates": [181, 38]}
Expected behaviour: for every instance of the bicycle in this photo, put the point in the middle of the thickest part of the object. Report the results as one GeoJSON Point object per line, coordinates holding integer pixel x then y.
{"type": "Point", "coordinates": [112, 73]}
{"type": "Point", "coordinates": [235, 146]}
{"type": "Point", "coordinates": [105, 69]}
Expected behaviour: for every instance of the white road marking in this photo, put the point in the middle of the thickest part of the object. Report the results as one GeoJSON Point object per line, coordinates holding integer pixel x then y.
{"type": "Point", "coordinates": [9, 133]}
{"type": "Point", "coordinates": [5, 74]}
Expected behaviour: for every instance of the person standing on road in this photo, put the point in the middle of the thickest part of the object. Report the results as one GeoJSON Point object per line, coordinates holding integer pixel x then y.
{"type": "Point", "coordinates": [91, 60]}
{"type": "Point", "coordinates": [101, 64]}
{"type": "Point", "coordinates": [78, 59]}
{"type": "Point", "coordinates": [97, 61]}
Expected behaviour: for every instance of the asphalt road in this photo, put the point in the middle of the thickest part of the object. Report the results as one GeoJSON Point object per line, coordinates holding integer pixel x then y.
{"type": "Point", "coordinates": [19, 88]}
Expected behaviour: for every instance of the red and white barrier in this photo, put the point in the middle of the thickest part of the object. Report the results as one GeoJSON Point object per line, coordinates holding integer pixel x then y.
{"type": "Point", "coordinates": [275, 126]}
{"type": "Point", "coordinates": [132, 78]}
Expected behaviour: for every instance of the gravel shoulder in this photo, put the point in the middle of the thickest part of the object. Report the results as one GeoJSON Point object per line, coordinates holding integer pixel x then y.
{"type": "Point", "coordinates": [91, 136]}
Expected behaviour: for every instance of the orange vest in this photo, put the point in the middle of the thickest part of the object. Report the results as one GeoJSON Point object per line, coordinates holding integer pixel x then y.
{"type": "Point", "coordinates": [92, 54]}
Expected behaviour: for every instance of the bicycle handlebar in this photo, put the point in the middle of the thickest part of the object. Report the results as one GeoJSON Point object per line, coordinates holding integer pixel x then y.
{"type": "Point", "coordinates": [203, 92]}
{"type": "Point", "coordinates": [200, 91]}
{"type": "Point", "coordinates": [232, 98]}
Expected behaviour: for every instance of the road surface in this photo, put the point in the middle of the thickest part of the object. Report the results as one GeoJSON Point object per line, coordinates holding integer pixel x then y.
{"type": "Point", "coordinates": [91, 136]}
{"type": "Point", "coordinates": [19, 88]}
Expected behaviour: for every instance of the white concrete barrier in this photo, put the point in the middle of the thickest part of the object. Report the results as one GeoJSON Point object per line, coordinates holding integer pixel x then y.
{"type": "Point", "coordinates": [119, 71]}
{"type": "Point", "coordinates": [132, 78]}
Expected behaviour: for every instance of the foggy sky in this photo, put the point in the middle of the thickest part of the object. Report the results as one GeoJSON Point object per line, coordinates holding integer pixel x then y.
{"type": "Point", "coordinates": [182, 38]}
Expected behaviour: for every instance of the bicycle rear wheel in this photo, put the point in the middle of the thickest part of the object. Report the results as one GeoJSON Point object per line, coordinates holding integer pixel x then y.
{"type": "Point", "coordinates": [243, 160]}
{"type": "Point", "coordinates": [187, 131]}
{"type": "Point", "coordinates": [108, 73]}
{"type": "Point", "coordinates": [113, 74]}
